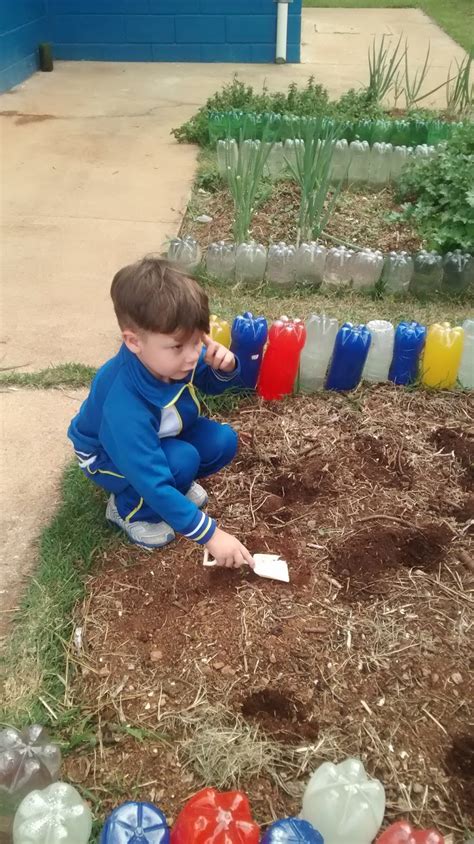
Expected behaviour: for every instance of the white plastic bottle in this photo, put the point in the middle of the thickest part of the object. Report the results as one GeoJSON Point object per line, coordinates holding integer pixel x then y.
{"type": "Point", "coordinates": [220, 260]}
{"type": "Point", "coordinates": [281, 265]}
{"type": "Point", "coordinates": [227, 156]}
{"type": "Point", "coordinates": [314, 361]}
{"type": "Point", "coordinates": [380, 164]}
{"type": "Point", "coordinates": [250, 263]}
{"type": "Point", "coordinates": [337, 269]}
{"type": "Point", "coordinates": [310, 261]}
{"type": "Point", "coordinates": [466, 368]}
{"type": "Point", "coordinates": [339, 162]}
{"type": "Point", "coordinates": [343, 804]}
{"type": "Point", "coordinates": [380, 354]}
{"type": "Point", "coordinates": [366, 268]}
{"type": "Point", "coordinates": [55, 815]}
{"type": "Point", "coordinates": [359, 157]}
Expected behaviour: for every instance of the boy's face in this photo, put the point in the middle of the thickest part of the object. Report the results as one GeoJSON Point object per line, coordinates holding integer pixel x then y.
{"type": "Point", "coordinates": [167, 356]}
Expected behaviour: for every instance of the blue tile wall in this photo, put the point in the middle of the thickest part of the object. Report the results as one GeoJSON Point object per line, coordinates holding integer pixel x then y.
{"type": "Point", "coordinates": [23, 25]}
{"type": "Point", "coordinates": [141, 30]}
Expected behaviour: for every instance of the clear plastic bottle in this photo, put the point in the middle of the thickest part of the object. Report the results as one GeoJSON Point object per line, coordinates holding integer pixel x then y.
{"type": "Point", "coordinates": [408, 346]}
{"type": "Point", "coordinates": [137, 822]}
{"type": "Point", "coordinates": [28, 761]}
{"type": "Point", "coordinates": [337, 269]}
{"type": "Point", "coordinates": [275, 162]}
{"type": "Point", "coordinates": [397, 272]}
{"type": "Point", "coordinates": [380, 164]}
{"type": "Point", "coordinates": [220, 260]}
{"type": "Point", "coordinates": [227, 156]}
{"type": "Point", "coordinates": [321, 334]}
{"type": "Point", "coordinates": [380, 355]}
{"type": "Point", "coordinates": [466, 368]}
{"type": "Point", "coordinates": [458, 272]}
{"type": "Point", "coordinates": [56, 815]}
{"type": "Point", "coordinates": [340, 162]}
{"type": "Point", "coordinates": [442, 356]}
{"type": "Point", "coordinates": [281, 265]}
{"type": "Point", "coordinates": [290, 151]}
{"type": "Point", "coordinates": [401, 155]}
{"type": "Point", "coordinates": [351, 348]}
{"type": "Point", "coordinates": [248, 152]}
{"type": "Point", "coordinates": [309, 262]}
{"type": "Point", "coordinates": [427, 274]}
{"type": "Point", "coordinates": [185, 252]}
{"type": "Point", "coordinates": [250, 263]}
{"type": "Point", "coordinates": [366, 268]}
{"type": "Point", "coordinates": [359, 158]}
{"type": "Point", "coordinates": [343, 804]}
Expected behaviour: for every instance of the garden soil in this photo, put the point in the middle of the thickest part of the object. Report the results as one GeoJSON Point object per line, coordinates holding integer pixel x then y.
{"type": "Point", "coordinates": [365, 652]}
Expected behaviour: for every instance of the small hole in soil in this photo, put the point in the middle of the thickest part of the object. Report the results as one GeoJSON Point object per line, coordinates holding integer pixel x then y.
{"type": "Point", "coordinates": [270, 702]}
{"type": "Point", "coordinates": [460, 757]}
{"type": "Point", "coordinates": [280, 715]}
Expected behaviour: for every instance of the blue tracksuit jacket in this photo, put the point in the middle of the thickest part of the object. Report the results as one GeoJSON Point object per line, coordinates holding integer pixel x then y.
{"type": "Point", "coordinates": [122, 422]}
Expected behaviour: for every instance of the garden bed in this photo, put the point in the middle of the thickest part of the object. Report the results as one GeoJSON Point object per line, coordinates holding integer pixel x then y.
{"type": "Point", "coordinates": [359, 217]}
{"type": "Point", "coordinates": [365, 652]}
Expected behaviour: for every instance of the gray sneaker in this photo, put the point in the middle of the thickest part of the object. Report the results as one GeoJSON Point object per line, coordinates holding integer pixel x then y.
{"type": "Point", "coordinates": [146, 534]}
{"type": "Point", "coordinates": [198, 495]}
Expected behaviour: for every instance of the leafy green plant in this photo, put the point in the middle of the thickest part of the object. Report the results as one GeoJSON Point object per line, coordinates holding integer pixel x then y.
{"type": "Point", "coordinates": [383, 68]}
{"type": "Point", "coordinates": [312, 99]}
{"type": "Point", "coordinates": [311, 168]}
{"type": "Point", "coordinates": [437, 193]}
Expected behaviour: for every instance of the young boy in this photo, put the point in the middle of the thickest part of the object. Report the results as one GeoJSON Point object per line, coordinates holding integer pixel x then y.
{"type": "Point", "coordinates": [139, 435]}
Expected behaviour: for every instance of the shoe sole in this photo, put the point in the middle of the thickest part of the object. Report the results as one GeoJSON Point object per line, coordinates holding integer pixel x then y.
{"type": "Point", "coordinates": [144, 545]}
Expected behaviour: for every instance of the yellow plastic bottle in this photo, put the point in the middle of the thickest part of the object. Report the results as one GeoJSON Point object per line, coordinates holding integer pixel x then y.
{"type": "Point", "coordinates": [220, 330]}
{"type": "Point", "coordinates": [442, 356]}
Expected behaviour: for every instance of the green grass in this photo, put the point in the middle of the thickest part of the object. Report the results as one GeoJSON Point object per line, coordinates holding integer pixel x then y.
{"type": "Point", "coordinates": [66, 375]}
{"type": "Point", "coordinates": [456, 17]}
{"type": "Point", "coordinates": [34, 661]}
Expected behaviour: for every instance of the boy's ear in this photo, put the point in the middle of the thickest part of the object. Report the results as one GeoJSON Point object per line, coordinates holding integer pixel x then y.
{"type": "Point", "coordinates": [132, 341]}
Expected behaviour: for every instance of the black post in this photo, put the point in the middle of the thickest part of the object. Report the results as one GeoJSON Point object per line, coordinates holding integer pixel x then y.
{"type": "Point", "coordinates": [46, 57]}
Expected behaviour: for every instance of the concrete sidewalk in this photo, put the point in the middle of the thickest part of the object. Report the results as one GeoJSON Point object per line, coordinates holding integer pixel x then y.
{"type": "Point", "coordinates": [91, 180]}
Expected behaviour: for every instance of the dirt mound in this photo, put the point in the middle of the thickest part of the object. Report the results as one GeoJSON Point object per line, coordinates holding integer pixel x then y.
{"type": "Point", "coordinates": [376, 463]}
{"type": "Point", "coordinates": [304, 482]}
{"type": "Point", "coordinates": [460, 443]}
{"type": "Point", "coordinates": [280, 714]}
{"type": "Point", "coordinates": [367, 555]}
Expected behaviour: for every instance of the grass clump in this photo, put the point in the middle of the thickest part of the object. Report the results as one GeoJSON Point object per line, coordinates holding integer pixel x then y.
{"type": "Point", "coordinates": [65, 375]}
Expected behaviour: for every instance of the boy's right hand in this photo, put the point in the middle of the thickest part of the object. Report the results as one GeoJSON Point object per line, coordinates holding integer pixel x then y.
{"type": "Point", "coordinates": [228, 551]}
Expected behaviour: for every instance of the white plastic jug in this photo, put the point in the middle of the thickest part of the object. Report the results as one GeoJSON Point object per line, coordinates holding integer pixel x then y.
{"type": "Point", "coordinates": [380, 354]}
{"type": "Point", "coordinates": [55, 815]}
{"type": "Point", "coordinates": [343, 804]}
{"type": "Point", "coordinates": [314, 361]}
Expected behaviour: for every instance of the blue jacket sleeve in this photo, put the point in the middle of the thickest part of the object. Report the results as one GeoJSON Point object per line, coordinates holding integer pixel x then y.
{"type": "Point", "coordinates": [134, 446]}
{"type": "Point", "coordinates": [212, 382]}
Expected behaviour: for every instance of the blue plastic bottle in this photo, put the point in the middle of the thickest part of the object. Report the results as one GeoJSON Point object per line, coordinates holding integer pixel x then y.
{"type": "Point", "coordinates": [350, 353]}
{"type": "Point", "coordinates": [409, 341]}
{"type": "Point", "coordinates": [140, 822]}
{"type": "Point", "coordinates": [292, 831]}
{"type": "Point", "coordinates": [249, 335]}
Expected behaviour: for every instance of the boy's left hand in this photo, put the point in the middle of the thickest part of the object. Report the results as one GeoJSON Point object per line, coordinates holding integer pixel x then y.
{"type": "Point", "coordinates": [217, 356]}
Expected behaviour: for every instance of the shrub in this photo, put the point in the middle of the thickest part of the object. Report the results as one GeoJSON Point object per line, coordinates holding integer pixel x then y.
{"type": "Point", "coordinates": [438, 194]}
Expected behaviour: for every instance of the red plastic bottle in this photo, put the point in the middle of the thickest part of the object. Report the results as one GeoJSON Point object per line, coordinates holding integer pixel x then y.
{"type": "Point", "coordinates": [286, 339]}
{"type": "Point", "coordinates": [403, 833]}
{"type": "Point", "coordinates": [214, 817]}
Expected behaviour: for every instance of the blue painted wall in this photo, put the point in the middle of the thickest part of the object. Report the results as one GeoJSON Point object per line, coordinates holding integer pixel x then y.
{"type": "Point", "coordinates": [171, 30]}
{"type": "Point", "coordinates": [23, 25]}
{"type": "Point", "coordinates": [141, 30]}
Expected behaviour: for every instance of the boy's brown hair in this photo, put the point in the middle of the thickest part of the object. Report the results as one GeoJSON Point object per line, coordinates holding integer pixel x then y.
{"type": "Point", "coordinates": [154, 295]}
